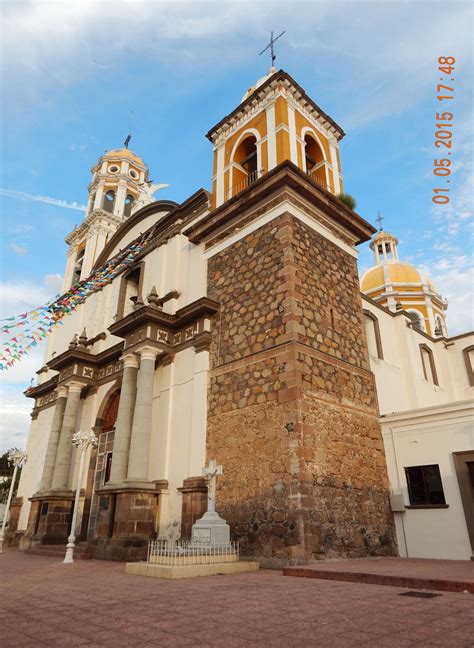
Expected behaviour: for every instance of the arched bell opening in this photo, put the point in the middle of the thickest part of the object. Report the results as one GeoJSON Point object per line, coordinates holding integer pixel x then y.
{"type": "Point", "coordinates": [245, 164]}
{"type": "Point", "coordinates": [76, 273]}
{"type": "Point", "coordinates": [108, 202]}
{"type": "Point", "coordinates": [315, 165]}
{"type": "Point", "coordinates": [128, 205]}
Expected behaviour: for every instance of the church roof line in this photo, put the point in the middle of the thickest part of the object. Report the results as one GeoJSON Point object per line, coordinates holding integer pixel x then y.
{"type": "Point", "coordinates": [176, 213]}
{"type": "Point", "coordinates": [281, 75]}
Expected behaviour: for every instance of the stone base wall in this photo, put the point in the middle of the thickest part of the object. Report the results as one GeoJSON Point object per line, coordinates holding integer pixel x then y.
{"type": "Point", "coordinates": [292, 412]}
{"type": "Point", "coordinates": [344, 486]}
{"type": "Point", "coordinates": [194, 504]}
{"type": "Point", "coordinates": [49, 521]}
{"type": "Point", "coordinates": [12, 536]}
{"type": "Point", "coordinates": [119, 549]}
{"type": "Point", "coordinates": [125, 524]}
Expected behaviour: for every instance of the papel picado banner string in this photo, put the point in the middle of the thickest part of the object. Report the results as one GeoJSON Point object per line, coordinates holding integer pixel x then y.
{"type": "Point", "coordinates": [26, 330]}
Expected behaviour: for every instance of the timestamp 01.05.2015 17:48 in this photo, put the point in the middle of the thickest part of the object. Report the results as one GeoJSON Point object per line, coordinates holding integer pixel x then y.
{"type": "Point", "coordinates": [444, 129]}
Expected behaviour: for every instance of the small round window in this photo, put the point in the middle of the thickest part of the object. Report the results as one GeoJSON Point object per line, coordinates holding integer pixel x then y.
{"type": "Point", "coordinates": [133, 174]}
{"type": "Point", "coordinates": [110, 195]}
{"type": "Point", "coordinates": [113, 169]}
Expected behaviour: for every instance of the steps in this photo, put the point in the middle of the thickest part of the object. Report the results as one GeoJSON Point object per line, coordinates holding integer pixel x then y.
{"type": "Point", "coordinates": [81, 552]}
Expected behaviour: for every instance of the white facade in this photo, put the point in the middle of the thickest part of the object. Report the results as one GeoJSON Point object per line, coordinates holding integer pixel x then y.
{"type": "Point", "coordinates": [179, 390]}
{"type": "Point", "coordinates": [423, 424]}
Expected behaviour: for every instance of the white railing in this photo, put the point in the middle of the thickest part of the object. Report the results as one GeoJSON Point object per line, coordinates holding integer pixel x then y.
{"type": "Point", "coordinates": [184, 552]}
{"type": "Point", "coordinates": [314, 178]}
{"type": "Point", "coordinates": [246, 182]}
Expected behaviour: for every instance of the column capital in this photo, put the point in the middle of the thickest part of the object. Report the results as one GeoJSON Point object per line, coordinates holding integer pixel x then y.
{"type": "Point", "coordinates": [62, 391]}
{"type": "Point", "coordinates": [148, 353]}
{"type": "Point", "coordinates": [74, 386]}
{"type": "Point", "coordinates": [130, 360]}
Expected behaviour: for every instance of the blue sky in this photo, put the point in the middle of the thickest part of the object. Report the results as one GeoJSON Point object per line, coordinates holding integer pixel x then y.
{"type": "Point", "coordinates": [73, 71]}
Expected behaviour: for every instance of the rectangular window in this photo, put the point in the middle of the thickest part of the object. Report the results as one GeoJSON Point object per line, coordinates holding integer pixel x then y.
{"type": "Point", "coordinates": [108, 466]}
{"type": "Point", "coordinates": [425, 487]}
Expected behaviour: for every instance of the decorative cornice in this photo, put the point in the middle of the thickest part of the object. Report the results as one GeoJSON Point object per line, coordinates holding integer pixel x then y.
{"type": "Point", "coordinates": [260, 93]}
{"type": "Point", "coordinates": [226, 218]}
{"type": "Point", "coordinates": [94, 221]}
{"type": "Point", "coordinates": [170, 328]}
{"type": "Point", "coordinates": [44, 388]}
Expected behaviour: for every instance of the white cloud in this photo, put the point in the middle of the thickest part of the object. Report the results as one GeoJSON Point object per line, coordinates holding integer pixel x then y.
{"type": "Point", "coordinates": [15, 420]}
{"type": "Point", "coordinates": [18, 249]}
{"type": "Point", "coordinates": [15, 408]}
{"type": "Point", "coordinates": [454, 277]}
{"type": "Point", "coordinates": [20, 228]}
{"type": "Point", "coordinates": [53, 283]}
{"type": "Point", "coordinates": [45, 199]}
{"type": "Point", "coordinates": [388, 59]}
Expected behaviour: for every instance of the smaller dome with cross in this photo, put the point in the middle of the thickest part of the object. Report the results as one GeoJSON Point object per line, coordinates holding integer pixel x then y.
{"type": "Point", "coordinates": [394, 283]}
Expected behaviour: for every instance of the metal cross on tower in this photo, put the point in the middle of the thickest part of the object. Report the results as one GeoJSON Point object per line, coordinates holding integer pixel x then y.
{"type": "Point", "coordinates": [379, 221]}
{"type": "Point", "coordinates": [271, 44]}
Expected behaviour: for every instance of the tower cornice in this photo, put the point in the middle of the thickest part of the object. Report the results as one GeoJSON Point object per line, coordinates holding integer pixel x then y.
{"type": "Point", "coordinates": [254, 101]}
{"type": "Point", "coordinates": [96, 217]}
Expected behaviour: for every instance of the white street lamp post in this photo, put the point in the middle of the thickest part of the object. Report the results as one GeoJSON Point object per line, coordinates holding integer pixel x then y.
{"type": "Point", "coordinates": [83, 441]}
{"type": "Point", "coordinates": [17, 458]}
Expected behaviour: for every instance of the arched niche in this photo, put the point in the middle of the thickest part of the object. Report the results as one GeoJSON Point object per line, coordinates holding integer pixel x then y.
{"type": "Point", "coordinates": [314, 159]}
{"type": "Point", "coordinates": [244, 162]}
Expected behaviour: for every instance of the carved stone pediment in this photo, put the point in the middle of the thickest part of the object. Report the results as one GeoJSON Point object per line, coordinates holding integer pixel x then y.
{"type": "Point", "coordinates": [189, 326]}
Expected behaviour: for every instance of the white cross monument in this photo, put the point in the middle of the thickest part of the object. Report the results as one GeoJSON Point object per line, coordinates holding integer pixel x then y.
{"type": "Point", "coordinates": [211, 528]}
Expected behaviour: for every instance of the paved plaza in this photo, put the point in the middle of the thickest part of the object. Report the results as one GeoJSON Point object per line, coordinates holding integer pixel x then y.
{"type": "Point", "coordinates": [93, 603]}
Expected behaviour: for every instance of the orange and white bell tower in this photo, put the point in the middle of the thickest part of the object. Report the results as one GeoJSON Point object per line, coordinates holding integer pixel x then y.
{"type": "Point", "coordinates": [275, 121]}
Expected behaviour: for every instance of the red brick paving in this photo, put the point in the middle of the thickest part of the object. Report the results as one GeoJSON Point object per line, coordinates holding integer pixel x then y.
{"type": "Point", "coordinates": [93, 603]}
{"type": "Point", "coordinates": [443, 575]}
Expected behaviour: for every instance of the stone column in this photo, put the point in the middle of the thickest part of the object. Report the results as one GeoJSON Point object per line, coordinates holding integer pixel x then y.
{"type": "Point", "coordinates": [64, 453]}
{"type": "Point", "coordinates": [54, 439]}
{"type": "Point", "coordinates": [123, 424]}
{"type": "Point", "coordinates": [141, 428]}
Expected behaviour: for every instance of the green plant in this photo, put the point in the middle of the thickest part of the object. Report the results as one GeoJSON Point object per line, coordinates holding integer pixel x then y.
{"type": "Point", "coordinates": [348, 200]}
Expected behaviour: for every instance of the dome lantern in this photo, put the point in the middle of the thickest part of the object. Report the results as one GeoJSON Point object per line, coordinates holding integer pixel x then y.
{"type": "Point", "coordinates": [400, 285]}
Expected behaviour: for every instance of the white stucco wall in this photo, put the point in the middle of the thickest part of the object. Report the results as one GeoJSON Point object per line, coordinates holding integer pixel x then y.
{"type": "Point", "coordinates": [426, 437]}
{"type": "Point", "coordinates": [33, 469]}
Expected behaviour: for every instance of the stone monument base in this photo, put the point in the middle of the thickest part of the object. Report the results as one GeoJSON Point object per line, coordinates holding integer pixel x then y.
{"type": "Point", "coordinates": [190, 570]}
{"type": "Point", "coordinates": [211, 529]}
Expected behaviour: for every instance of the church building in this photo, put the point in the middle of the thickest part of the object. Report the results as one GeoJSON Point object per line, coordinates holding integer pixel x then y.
{"type": "Point", "coordinates": [239, 333]}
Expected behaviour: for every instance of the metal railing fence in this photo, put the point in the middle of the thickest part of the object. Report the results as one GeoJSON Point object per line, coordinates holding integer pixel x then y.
{"type": "Point", "coordinates": [184, 552]}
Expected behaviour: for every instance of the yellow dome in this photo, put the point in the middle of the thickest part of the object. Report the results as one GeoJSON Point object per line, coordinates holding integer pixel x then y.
{"type": "Point", "coordinates": [399, 273]}
{"type": "Point", "coordinates": [124, 153]}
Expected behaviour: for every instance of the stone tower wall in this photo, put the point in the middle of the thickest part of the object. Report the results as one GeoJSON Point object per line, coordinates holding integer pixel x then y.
{"type": "Point", "coordinates": [292, 407]}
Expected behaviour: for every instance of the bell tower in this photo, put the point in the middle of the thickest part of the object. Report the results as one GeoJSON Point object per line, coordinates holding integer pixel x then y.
{"type": "Point", "coordinates": [275, 121]}
{"type": "Point", "coordinates": [120, 186]}
{"type": "Point", "coordinates": [116, 182]}
{"type": "Point", "coordinates": [292, 409]}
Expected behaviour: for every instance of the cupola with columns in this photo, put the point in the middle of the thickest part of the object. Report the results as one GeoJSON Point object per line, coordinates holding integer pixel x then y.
{"type": "Point", "coordinates": [275, 121]}
{"type": "Point", "coordinates": [398, 284]}
{"type": "Point", "coordinates": [120, 187]}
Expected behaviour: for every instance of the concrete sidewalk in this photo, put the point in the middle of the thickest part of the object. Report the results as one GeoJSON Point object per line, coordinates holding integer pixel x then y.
{"type": "Point", "coordinates": [441, 575]}
{"type": "Point", "coordinates": [94, 603]}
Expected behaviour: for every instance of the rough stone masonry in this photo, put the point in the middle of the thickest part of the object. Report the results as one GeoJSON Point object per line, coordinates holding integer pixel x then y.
{"type": "Point", "coordinates": [292, 405]}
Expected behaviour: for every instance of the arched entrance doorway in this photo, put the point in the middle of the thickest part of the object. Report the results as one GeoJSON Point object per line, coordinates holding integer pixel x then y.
{"type": "Point", "coordinates": [101, 459]}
